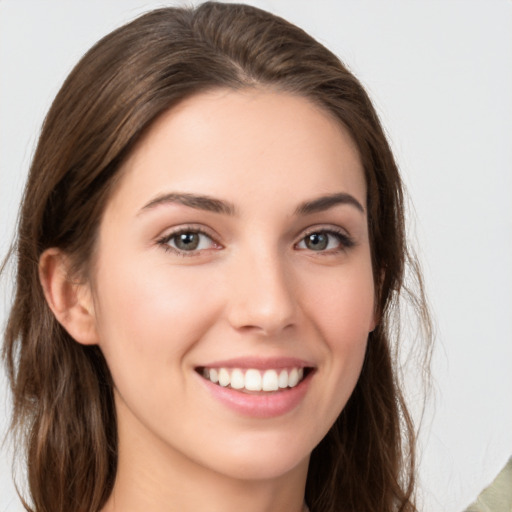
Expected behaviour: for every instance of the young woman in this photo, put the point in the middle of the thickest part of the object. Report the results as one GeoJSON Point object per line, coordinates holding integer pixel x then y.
{"type": "Point", "coordinates": [211, 249]}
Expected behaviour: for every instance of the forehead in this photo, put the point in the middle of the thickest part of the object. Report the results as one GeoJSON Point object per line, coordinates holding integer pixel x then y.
{"type": "Point", "coordinates": [244, 145]}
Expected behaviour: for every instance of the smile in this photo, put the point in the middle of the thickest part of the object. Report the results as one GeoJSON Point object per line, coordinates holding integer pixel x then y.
{"type": "Point", "coordinates": [251, 379]}
{"type": "Point", "coordinates": [256, 387]}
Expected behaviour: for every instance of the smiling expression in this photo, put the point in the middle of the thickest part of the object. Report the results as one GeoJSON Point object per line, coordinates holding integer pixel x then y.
{"type": "Point", "coordinates": [233, 287]}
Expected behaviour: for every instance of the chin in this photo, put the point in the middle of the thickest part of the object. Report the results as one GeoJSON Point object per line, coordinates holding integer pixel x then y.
{"type": "Point", "coordinates": [271, 468]}
{"type": "Point", "coordinates": [262, 458]}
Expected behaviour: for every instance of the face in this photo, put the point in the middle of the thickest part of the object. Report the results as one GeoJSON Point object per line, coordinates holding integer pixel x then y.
{"type": "Point", "coordinates": [233, 287]}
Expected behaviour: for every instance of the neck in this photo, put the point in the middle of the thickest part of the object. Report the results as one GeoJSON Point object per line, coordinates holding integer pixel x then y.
{"type": "Point", "coordinates": [153, 476]}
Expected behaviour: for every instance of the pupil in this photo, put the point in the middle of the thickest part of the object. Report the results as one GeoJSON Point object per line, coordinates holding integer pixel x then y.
{"type": "Point", "coordinates": [317, 241]}
{"type": "Point", "coordinates": [187, 241]}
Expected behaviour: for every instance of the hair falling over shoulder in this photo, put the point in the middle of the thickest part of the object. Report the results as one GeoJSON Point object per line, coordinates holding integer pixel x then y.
{"type": "Point", "coordinates": [64, 420]}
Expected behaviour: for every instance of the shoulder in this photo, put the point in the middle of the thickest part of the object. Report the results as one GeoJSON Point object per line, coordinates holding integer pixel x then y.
{"type": "Point", "coordinates": [498, 496]}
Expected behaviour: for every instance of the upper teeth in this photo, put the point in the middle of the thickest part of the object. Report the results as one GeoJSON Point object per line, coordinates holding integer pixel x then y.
{"type": "Point", "coordinates": [254, 380]}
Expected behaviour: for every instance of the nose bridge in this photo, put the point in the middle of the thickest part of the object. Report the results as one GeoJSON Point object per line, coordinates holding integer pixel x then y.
{"type": "Point", "coordinates": [261, 287]}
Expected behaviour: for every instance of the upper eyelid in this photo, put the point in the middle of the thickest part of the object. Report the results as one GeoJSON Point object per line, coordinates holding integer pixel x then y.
{"type": "Point", "coordinates": [346, 240]}
{"type": "Point", "coordinates": [184, 228]}
{"type": "Point", "coordinates": [329, 228]}
{"type": "Point", "coordinates": [164, 242]}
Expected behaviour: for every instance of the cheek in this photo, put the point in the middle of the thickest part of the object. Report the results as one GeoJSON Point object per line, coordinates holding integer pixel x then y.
{"type": "Point", "coordinates": [154, 315]}
{"type": "Point", "coordinates": [343, 309]}
{"type": "Point", "coordinates": [344, 303]}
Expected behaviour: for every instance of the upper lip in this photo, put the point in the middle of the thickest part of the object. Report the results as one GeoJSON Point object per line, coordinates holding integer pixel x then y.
{"type": "Point", "coordinates": [260, 363]}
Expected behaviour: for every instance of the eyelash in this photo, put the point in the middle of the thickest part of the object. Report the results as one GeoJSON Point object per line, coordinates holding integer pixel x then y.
{"type": "Point", "coordinates": [345, 241]}
{"type": "Point", "coordinates": [164, 241]}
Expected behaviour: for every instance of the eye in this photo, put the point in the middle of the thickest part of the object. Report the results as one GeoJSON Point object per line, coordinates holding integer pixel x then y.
{"type": "Point", "coordinates": [325, 240]}
{"type": "Point", "coordinates": [188, 241]}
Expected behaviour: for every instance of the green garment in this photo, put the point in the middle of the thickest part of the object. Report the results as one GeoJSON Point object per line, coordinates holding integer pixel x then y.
{"type": "Point", "coordinates": [498, 496]}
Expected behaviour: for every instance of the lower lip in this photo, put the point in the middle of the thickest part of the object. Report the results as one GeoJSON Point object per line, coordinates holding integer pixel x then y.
{"type": "Point", "coordinates": [260, 405]}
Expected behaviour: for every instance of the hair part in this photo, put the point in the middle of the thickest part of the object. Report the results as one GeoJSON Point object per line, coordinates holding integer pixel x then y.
{"type": "Point", "coordinates": [63, 392]}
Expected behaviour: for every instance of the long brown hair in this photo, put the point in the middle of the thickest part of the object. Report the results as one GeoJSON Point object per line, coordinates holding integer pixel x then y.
{"type": "Point", "coordinates": [64, 412]}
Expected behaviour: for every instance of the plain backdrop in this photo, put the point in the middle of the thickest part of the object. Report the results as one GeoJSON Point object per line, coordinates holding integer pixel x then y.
{"type": "Point", "coordinates": [440, 75]}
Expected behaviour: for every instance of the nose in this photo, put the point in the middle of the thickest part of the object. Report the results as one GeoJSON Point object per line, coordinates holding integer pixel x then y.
{"type": "Point", "coordinates": [261, 297]}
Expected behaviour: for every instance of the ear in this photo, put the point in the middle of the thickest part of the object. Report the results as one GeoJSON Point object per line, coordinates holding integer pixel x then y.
{"type": "Point", "coordinates": [71, 302]}
{"type": "Point", "coordinates": [377, 310]}
{"type": "Point", "coordinates": [374, 320]}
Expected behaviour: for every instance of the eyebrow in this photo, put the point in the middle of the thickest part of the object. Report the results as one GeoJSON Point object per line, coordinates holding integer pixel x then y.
{"type": "Point", "coordinates": [211, 204]}
{"type": "Point", "coordinates": [199, 202]}
{"type": "Point", "coordinates": [325, 202]}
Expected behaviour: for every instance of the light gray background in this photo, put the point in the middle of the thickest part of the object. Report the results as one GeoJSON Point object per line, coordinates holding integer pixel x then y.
{"type": "Point", "coordinates": [440, 74]}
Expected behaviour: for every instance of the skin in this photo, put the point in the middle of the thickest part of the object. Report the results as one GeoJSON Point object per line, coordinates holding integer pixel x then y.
{"type": "Point", "coordinates": [253, 288]}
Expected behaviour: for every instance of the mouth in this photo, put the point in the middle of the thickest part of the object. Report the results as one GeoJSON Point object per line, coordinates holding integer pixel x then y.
{"type": "Point", "coordinates": [260, 388]}
{"type": "Point", "coordinates": [253, 380]}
